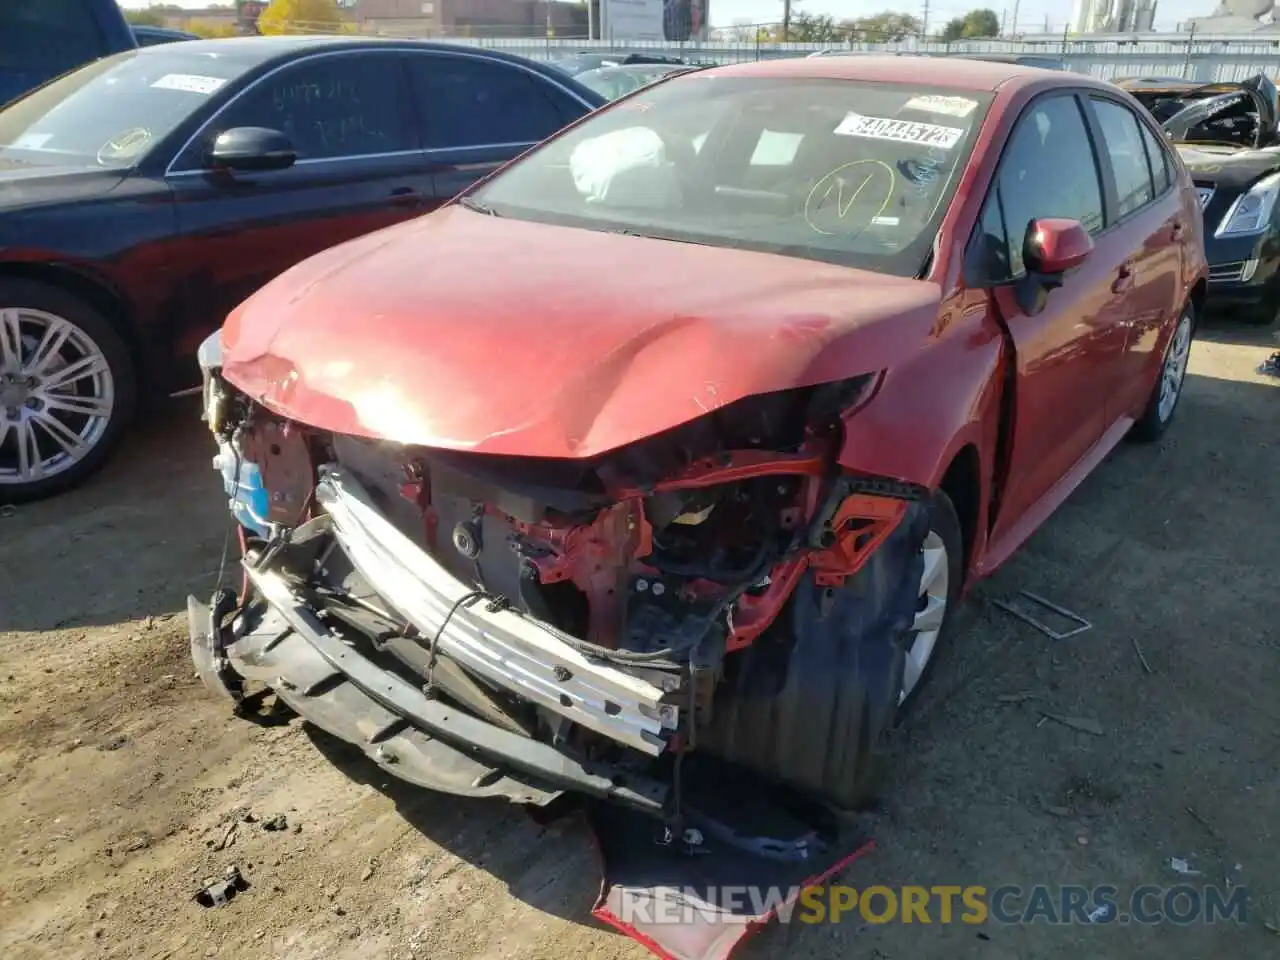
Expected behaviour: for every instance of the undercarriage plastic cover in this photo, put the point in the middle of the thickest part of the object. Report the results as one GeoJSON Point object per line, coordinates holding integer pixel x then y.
{"type": "Point", "coordinates": [760, 847]}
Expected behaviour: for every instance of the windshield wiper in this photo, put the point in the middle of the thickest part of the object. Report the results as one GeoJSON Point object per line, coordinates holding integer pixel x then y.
{"type": "Point", "coordinates": [631, 232]}
{"type": "Point", "coordinates": [472, 204]}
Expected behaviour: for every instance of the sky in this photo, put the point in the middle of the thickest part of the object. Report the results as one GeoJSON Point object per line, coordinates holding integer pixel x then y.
{"type": "Point", "coordinates": [1031, 13]}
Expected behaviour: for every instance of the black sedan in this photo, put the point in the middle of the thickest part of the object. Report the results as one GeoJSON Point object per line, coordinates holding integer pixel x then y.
{"type": "Point", "coordinates": [146, 194]}
{"type": "Point", "coordinates": [1226, 134]}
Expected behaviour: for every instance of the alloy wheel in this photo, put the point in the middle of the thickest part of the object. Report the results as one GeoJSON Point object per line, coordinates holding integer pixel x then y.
{"type": "Point", "coordinates": [57, 395]}
{"type": "Point", "coordinates": [1174, 370]}
{"type": "Point", "coordinates": [930, 612]}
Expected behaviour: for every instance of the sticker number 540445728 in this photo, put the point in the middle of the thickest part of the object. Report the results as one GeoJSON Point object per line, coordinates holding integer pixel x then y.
{"type": "Point", "coordinates": [903, 131]}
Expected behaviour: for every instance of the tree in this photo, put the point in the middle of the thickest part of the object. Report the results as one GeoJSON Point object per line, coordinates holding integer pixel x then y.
{"type": "Point", "coordinates": [972, 26]}
{"type": "Point", "coordinates": [814, 28]}
{"type": "Point", "coordinates": [954, 29]}
{"type": "Point", "coordinates": [981, 23]}
{"type": "Point", "coordinates": [301, 16]}
{"type": "Point", "coordinates": [151, 17]}
{"type": "Point", "coordinates": [883, 27]}
{"type": "Point", "coordinates": [211, 29]}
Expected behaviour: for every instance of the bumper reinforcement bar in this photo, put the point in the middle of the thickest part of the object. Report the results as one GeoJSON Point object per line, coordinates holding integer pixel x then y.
{"type": "Point", "coordinates": [406, 732]}
{"type": "Point", "coordinates": [509, 650]}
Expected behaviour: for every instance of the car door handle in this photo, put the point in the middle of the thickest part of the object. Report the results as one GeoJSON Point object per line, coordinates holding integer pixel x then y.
{"type": "Point", "coordinates": [405, 197]}
{"type": "Point", "coordinates": [1124, 279]}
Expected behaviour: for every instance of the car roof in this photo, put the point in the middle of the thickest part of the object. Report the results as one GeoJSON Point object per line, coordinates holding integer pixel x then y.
{"type": "Point", "coordinates": [924, 71]}
{"type": "Point", "coordinates": [255, 53]}
{"type": "Point", "coordinates": [262, 50]}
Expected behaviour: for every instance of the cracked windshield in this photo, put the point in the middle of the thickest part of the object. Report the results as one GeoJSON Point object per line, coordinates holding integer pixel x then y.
{"type": "Point", "coordinates": [850, 173]}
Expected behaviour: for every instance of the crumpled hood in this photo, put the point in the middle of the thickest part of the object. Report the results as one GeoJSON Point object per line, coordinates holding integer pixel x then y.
{"type": "Point", "coordinates": [470, 332]}
{"type": "Point", "coordinates": [1211, 99]}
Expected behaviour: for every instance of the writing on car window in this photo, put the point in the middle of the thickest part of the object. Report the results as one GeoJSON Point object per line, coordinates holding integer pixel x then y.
{"type": "Point", "coordinates": [330, 107]}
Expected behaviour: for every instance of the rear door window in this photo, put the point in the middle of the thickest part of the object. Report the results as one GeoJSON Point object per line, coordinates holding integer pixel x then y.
{"type": "Point", "coordinates": [1159, 158]}
{"type": "Point", "coordinates": [474, 102]}
{"type": "Point", "coordinates": [1122, 139]}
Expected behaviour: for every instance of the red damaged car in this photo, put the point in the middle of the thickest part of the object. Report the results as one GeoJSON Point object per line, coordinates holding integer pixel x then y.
{"type": "Point", "coordinates": [680, 438]}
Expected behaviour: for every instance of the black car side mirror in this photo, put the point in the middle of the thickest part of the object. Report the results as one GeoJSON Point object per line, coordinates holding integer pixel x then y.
{"type": "Point", "coordinates": [252, 148]}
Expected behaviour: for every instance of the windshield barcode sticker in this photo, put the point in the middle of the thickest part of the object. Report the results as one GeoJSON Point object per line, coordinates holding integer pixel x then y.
{"type": "Point", "coordinates": [189, 83]}
{"type": "Point", "coordinates": [903, 131]}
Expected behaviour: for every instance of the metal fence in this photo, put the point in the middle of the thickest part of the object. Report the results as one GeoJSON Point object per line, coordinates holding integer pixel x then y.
{"type": "Point", "coordinates": [1206, 59]}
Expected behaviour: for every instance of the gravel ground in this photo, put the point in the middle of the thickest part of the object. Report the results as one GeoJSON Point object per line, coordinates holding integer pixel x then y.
{"type": "Point", "coordinates": [120, 777]}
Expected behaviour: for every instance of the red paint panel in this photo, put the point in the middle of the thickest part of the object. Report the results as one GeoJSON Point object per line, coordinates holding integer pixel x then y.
{"type": "Point", "coordinates": [471, 332]}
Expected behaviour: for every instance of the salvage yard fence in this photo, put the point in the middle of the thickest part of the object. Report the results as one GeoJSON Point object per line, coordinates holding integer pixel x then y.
{"type": "Point", "coordinates": [1204, 58]}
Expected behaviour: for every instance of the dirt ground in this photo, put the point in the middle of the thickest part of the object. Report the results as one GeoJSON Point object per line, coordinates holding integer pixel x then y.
{"type": "Point", "coordinates": [119, 774]}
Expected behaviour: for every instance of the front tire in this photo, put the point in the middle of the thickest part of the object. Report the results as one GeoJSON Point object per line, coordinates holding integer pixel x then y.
{"type": "Point", "coordinates": [1167, 391]}
{"type": "Point", "coordinates": [67, 390]}
{"type": "Point", "coordinates": [811, 703]}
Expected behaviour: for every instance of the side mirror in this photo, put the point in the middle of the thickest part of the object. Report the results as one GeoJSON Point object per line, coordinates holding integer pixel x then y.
{"type": "Point", "coordinates": [1052, 246]}
{"type": "Point", "coordinates": [252, 148]}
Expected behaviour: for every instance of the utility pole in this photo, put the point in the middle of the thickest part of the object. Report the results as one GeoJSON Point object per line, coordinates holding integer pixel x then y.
{"type": "Point", "coordinates": [924, 22]}
{"type": "Point", "coordinates": [1013, 27]}
{"type": "Point", "coordinates": [786, 21]}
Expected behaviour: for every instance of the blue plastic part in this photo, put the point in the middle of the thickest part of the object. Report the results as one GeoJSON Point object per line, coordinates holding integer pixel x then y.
{"type": "Point", "coordinates": [247, 497]}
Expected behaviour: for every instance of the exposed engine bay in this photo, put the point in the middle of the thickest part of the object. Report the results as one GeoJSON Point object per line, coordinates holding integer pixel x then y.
{"type": "Point", "coordinates": [519, 626]}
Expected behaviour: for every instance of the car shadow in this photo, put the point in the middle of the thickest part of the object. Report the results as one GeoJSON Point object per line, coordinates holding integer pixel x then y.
{"type": "Point", "coordinates": [131, 542]}
{"type": "Point", "coordinates": [1218, 327]}
{"type": "Point", "coordinates": [547, 859]}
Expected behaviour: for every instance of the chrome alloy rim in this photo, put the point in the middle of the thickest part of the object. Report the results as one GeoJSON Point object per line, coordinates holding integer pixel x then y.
{"type": "Point", "coordinates": [1175, 369]}
{"type": "Point", "coordinates": [56, 395]}
{"type": "Point", "coordinates": [932, 608]}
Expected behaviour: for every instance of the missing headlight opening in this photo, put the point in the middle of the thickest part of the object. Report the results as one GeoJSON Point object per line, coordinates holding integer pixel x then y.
{"type": "Point", "coordinates": [596, 606]}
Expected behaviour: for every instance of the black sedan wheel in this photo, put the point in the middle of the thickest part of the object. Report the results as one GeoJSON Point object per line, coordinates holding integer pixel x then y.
{"type": "Point", "coordinates": [66, 390]}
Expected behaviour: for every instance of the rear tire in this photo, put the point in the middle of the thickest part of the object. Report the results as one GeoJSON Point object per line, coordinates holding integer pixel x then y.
{"type": "Point", "coordinates": [812, 701]}
{"type": "Point", "coordinates": [67, 390]}
{"type": "Point", "coordinates": [1166, 392]}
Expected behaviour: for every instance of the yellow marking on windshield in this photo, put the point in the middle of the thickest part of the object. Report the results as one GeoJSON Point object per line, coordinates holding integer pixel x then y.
{"type": "Point", "coordinates": [832, 183]}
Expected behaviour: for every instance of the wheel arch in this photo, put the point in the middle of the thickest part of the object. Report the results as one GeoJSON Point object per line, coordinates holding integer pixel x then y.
{"type": "Point", "coordinates": [1199, 291]}
{"type": "Point", "coordinates": [962, 483]}
{"type": "Point", "coordinates": [95, 291]}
